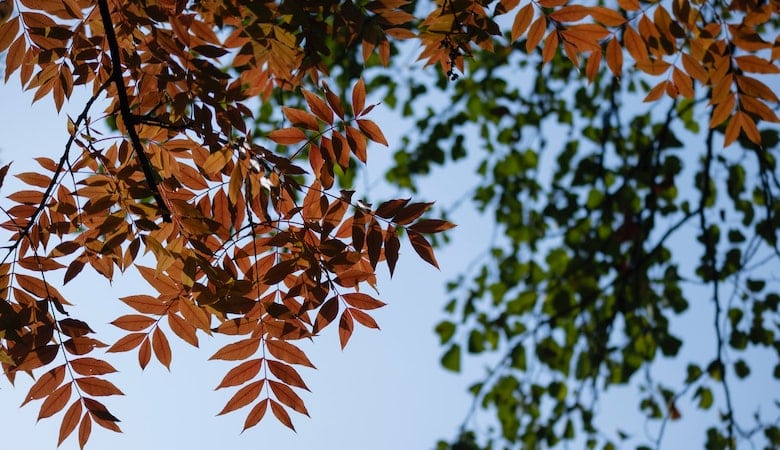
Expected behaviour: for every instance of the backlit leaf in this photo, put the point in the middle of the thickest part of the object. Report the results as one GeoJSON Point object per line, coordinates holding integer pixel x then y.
{"type": "Point", "coordinates": [423, 248]}
{"type": "Point", "coordinates": [243, 397]}
{"type": "Point", "coordinates": [241, 373]}
{"type": "Point", "coordinates": [237, 351]}
{"type": "Point", "coordinates": [97, 386]}
{"type": "Point", "coordinates": [288, 397]}
{"type": "Point", "coordinates": [287, 352]}
{"type": "Point", "coordinates": [55, 401]}
{"type": "Point", "coordinates": [69, 421]}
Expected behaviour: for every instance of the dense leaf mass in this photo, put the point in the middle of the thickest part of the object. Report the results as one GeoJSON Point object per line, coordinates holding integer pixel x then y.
{"type": "Point", "coordinates": [241, 127]}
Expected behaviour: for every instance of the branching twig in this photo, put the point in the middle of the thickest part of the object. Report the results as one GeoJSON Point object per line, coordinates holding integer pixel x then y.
{"type": "Point", "coordinates": [124, 109]}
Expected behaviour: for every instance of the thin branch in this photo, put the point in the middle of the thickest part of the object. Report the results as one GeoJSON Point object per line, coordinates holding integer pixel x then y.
{"type": "Point", "coordinates": [124, 109]}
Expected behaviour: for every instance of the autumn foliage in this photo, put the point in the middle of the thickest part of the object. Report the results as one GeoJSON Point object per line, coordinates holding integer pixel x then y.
{"type": "Point", "coordinates": [250, 234]}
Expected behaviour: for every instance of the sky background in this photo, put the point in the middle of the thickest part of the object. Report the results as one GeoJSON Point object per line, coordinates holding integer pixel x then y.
{"type": "Point", "coordinates": [385, 391]}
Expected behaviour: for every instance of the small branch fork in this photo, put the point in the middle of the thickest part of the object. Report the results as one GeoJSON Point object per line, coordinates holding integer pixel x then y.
{"type": "Point", "coordinates": [128, 118]}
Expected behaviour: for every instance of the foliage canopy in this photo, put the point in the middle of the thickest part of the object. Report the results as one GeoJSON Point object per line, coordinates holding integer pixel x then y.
{"type": "Point", "coordinates": [255, 233]}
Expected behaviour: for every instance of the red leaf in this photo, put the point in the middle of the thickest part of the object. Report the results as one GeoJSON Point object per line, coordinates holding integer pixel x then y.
{"type": "Point", "coordinates": [411, 212]}
{"type": "Point", "coordinates": [423, 248]}
{"type": "Point", "coordinates": [390, 208]}
{"type": "Point", "coordinates": [241, 373]}
{"type": "Point", "coordinates": [287, 352]}
{"type": "Point", "coordinates": [243, 397]}
{"type": "Point", "coordinates": [374, 242]}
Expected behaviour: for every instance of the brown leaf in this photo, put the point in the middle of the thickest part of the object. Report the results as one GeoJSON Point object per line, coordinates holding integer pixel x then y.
{"type": "Point", "coordinates": [362, 301]}
{"type": "Point", "coordinates": [358, 97]}
{"type": "Point", "coordinates": [288, 397]}
{"type": "Point", "coordinates": [614, 56]}
{"type": "Point", "coordinates": [607, 16]}
{"type": "Point", "coordinates": [55, 401]}
{"type": "Point", "coordinates": [522, 20]}
{"type": "Point", "coordinates": [372, 131]}
{"type": "Point", "coordinates": [363, 318]}
{"type": "Point", "coordinates": [69, 421]}
{"type": "Point", "coordinates": [392, 246]}
{"type": "Point", "coordinates": [127, 343]}
{"type": "Point", "coordinates": [256, 414]}
{"type": "Point", "coordinates": [345, 328]}
{"type": "Point", "coordinates": [570, 13]}
{"type": "Point", "coordinates": [536, 33]}
{"type": "Point", "coordinates": [241, 373]}
{"type": "Point", "coordinates": [161, 347]}
{"type": "Point", "coordinates": [46, 384]}
{"type": "Point", "coordinates": [97, 386]}
{"type": "Point", "coordinates": [133, 322]}
{"type": "Point", "coordinates": [287, 352]}
{"type": "Point", "coordinates": [237, 351]}
{"type": "Point", "coordinates": [318, 107]}
{"type": "Point", "coordinates": [390, 208]}
{"type": "Point", "coordinates": [91, 366]}
{"type": "Point", "coordinates": [431, 226]}
{"type": "Point", "coordinates": [374, 241]}
{"type": "Point", "coordinates": [328, 311]}
{"type": "Point", "coordinates": [85, 429]}
{"type": "Point", "coordinates": [145, 304]}
{"type": "Point", "coordinates": [287, 136]}
{"type": "Point", "coordinates": [144, 353]}
{"type": "Point", "coordinates": [299, 118]}
{"type": "Point", "coordinates": [286, 374]}
{"type": "Point", "coordinates": [411, 212]}
{"type": "Point", "coordinates": [423, 248]}
{"type": "Point", "coordinates": [243, 397]}
{"type": "Point", "coordinates": [281, 415]}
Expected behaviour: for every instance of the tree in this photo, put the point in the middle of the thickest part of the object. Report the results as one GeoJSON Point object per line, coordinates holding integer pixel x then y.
{"type": "Point", "coordinates": [243, 241]}
{"type": "Point", "coordinates": [260, 243]}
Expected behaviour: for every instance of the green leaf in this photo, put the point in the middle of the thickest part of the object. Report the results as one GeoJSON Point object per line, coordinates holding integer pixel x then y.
{"type": "Point", "coordinates": [451, 359]}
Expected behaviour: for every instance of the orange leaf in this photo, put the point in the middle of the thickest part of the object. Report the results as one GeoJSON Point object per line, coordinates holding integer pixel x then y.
{"type": "Point", "coordinates": [145, 304]}
{"type": "Point", "coordinates": [256, 414]}
{"type": "Point", "coordinates": [97, 386]}
{"type": "Point", "coordinates": [300, 118]}
{"type": "Point", "coordinates": [281, 415]}
{"type": "Point", "coordinates": [550, 46]}
{"type": "Point", "coordinates": [133, 322]}
{"type": "Point", "coordinates": [91, 366]}
{"type": "Point", "coordinates": [607, 16]}
{"type": "Point", "coordinates": [592, 66]}
{"type": "Point", "coordinates": [241, 373]}
{"type": "Point", "coordinates": [362, 301]}
{"type": "Point", "coordinates": [656, 92]}
{"type": "Point", "coordinates": [127, 343]}
{"type": "Point", "coordinates": [536, 33]}
{"type": "Point", "coordinates": [55, 401]}
{"type": "Point", "coordinates": [238, 351]}
{"type": "Point", "coordinates": [635, 45]}
{"type": "Point", "coordinates": [46, 384]}
{"type": "Point", "coordinates": [372, 131]}
{"type": "Point", "coordinates": [694, 68]}
{"type": "Point", "coordinates": [243, 397]}
{"type": "Point", "coordinates": [570, 13]}
{"type": "Point", "coordinates": [522, 20]}
{"type": "Point", "coordinates": [615, 57]}
{"type": "Point", "coordinates": [287, 136]}
{"type": "Point", "coordinates": [358, 97]}
{"type": "Point", "coordinates": [683, 82]}
{"type": "Point", "coordinates": [286, 374]}
{"type": "Point", "coordinates": [85, 429]}
{"type": "Point", "coordinates": [287, 352]}
{"type": "Point", "coordinates": [69, 421]}
{"type": "Point", "coordinates": [732, 130]}
{"type": "Point", "coordinates": [144, 353]}
{"type": "Point", "coordinates": [423, 248]}
{"type": "Point", "coordinates": [34, 179]}
{"type": "Point", "coordinates": [8, 32]}
{"type": "Point", "coordinates": [755, 88]}
{"type": "Point", "coordinates": [217, 160]}
{"type": "Point", "coordinates": [758, 108]}
{"type": "Point", "coordinates": [364, 319]}
{"type": "Point", "coordinates": [183, 329]}
{"type": "Point", "coordinates": [345, 328]}
{"type": "Point", "coordinates": [318, 107]}
{"type": "Point", "coordinates": [288, 397]}
{"type": "Point", "coordinates": [630, 5]}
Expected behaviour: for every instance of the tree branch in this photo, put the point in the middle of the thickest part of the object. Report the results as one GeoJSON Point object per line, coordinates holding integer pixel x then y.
{"type": "Point", "coordinates": [124, 109]}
